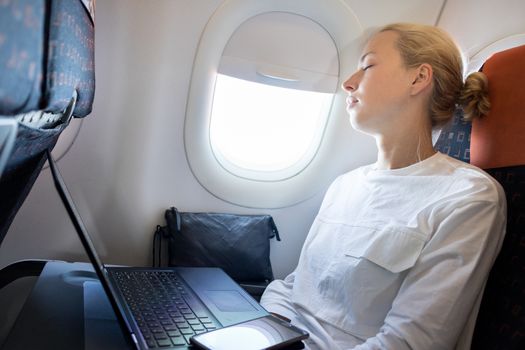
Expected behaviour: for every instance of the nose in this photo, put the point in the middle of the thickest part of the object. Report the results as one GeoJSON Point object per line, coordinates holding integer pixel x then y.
{"type": "Point", "coordinates": [350, 84]}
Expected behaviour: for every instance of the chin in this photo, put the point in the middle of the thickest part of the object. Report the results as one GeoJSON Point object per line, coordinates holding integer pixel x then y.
{"type": "Point", "coordinates": [355, 120]}
{"type": "Point", "coordinates": [359, 123]}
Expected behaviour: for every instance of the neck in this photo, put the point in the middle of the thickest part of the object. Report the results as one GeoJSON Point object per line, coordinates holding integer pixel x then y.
{"type": "Point", "coordinates": [403, 150]}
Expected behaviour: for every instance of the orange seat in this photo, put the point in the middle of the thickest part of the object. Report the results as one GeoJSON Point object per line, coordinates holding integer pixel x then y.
{"type": "Point", "coordinates": [496, 143]}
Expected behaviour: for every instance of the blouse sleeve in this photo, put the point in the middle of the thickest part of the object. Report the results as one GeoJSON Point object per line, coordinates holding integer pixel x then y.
{"type": "Point", "coordinates": [278, 295]}
{"type": "Point", "coordinates": [440, 290]}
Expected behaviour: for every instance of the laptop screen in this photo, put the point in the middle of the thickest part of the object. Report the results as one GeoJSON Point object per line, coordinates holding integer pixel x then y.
{"type": "Point", "coordinates": [88, 246]}
{"type": "Point", "coordinates": [75, 217]}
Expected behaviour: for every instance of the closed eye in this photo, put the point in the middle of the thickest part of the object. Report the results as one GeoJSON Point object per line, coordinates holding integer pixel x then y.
{"type": "Point", "coordinates": [367, 67]}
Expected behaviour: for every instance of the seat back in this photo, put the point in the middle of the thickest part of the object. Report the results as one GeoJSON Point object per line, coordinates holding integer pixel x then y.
{"type": "Point", "coordinates": [496, 144]}
{"type": "Point", "coordinates": [46, 63]}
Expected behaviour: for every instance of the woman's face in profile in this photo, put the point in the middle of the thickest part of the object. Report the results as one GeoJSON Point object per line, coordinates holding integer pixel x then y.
{"type": "Point", "coordinates": [378, 91]}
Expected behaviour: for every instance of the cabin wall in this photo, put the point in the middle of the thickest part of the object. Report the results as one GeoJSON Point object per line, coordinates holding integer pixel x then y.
{"type": "Point", "coordinates": [127, 164]}
{"type": "Point", "coordinates": [476, 24]}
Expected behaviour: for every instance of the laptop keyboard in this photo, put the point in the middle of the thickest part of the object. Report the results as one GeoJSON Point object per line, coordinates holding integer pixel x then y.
{"type": "Point", "coordinates": [166, 313]}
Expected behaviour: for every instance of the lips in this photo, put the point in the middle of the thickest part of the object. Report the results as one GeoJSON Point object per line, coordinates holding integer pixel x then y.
{"type": "Point", "coordinates": [351, 101]}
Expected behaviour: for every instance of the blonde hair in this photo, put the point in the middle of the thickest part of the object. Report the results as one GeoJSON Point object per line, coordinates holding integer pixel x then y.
{"type": "Point", "coordinates": [420, 44]}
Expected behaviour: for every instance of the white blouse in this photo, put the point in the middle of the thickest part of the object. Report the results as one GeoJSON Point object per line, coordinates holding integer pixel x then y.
{"type": "Point", "coordinates": [395, 259]}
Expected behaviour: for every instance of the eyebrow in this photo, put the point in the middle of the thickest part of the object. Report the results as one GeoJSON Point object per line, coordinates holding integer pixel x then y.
{"type": "Point", "coordinates": [366, 54]}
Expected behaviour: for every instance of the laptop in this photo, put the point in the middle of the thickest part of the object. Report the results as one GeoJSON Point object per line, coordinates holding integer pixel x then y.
{"type": "Point", "coordinates": [8, 129]}
{"type": "Point", "coordinates": [162, 308]}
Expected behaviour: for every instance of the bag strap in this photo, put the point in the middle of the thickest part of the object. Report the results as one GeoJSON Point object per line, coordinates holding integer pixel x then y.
{"type": "Point", "coordinates": [173, 220]}
{"type": "Point", "coordinates": [274, 231]}
{"type": "Point", "coordinates": [173, 227]}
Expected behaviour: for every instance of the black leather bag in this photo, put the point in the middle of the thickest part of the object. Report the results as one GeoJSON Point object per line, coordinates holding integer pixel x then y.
{"type": "Point", "coordinates": [239, 244]}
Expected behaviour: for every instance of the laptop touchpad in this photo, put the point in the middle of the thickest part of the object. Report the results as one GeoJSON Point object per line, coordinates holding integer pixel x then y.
{"type": "Point", "coordinates": [229, 301]}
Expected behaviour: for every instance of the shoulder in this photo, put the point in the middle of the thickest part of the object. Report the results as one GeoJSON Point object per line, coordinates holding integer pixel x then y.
{"type": "Point", "coordinates": [344, 183]}
{"type": "Point", "coordinates": [351, 177]}
{"type": "Point", "coordinates": [471, 182]}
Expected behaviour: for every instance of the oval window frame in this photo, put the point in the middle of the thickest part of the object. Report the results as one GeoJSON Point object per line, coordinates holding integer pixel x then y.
{"type": "Point", "coordinates": [477, 60]}
{"type": "Point", "coordinates": [337, 18]}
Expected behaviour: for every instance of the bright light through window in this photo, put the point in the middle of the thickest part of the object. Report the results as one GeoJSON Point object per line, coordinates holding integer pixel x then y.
{"type": "Point", "coordinates": [261, 127]}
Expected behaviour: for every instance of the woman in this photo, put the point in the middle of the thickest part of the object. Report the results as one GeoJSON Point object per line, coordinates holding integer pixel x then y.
{"type": "Point", "coordinates": [400, 250]}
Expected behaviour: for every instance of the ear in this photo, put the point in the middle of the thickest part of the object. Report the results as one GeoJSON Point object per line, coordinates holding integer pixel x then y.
{"type": "Point", "coordinates": [422, 79]}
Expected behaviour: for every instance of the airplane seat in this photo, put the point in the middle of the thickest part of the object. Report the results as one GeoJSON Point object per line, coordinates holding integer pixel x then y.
{"type": "Point", "coordinates": [46, 77]}
{"type": "Point", "coordinates": [495, 144]}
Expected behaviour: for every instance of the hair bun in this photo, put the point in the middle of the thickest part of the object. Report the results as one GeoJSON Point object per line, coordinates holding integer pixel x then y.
{"type": "Point", "coordinates": [474, 96]}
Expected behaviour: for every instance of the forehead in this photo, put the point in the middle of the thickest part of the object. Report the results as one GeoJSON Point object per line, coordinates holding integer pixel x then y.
{"type": "Point", "coordinates": [382, 43]}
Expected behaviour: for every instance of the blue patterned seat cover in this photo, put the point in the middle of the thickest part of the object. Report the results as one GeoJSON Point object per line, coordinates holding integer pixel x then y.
{"type": "Point", "coordinates": [46, 52]}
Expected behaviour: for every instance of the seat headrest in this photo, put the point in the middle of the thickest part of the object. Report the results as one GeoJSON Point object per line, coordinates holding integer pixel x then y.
{"type": "Point", "coordinates": [498, 139]}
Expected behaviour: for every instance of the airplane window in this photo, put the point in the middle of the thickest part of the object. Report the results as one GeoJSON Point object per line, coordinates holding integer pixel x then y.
{"type": "Point", "coordinates": [265, 128]}
{"type": "Point", "coordinates": [273, 93]}
{"type": "Point", "coordinates": [264, 106]}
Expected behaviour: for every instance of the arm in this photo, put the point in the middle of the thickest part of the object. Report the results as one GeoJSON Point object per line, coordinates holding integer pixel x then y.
{"type": "Point", "coordinates": [277, 298]}
{"type": "Point", "coordinates": [439, 291]}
